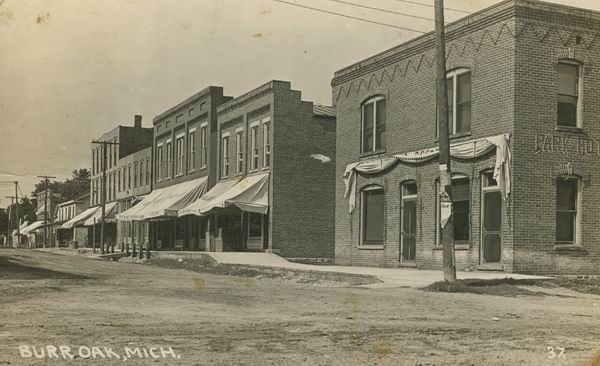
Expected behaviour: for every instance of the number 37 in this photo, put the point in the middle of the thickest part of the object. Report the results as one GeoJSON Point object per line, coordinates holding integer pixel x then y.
{"type": "Point", "coordinates": [556, 352]}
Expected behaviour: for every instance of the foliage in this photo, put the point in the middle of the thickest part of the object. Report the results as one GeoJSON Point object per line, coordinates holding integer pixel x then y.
{"type": "Point", "coordinates": [70, 189]}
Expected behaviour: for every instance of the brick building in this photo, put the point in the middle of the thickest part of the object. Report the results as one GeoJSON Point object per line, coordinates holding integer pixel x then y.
{"type": "Point", "coordinates": [184, 143]}
{"type": "Point", "coordinates": [275, 177]}
{"type": "Point", "coordinates": [522, 84]}
{"type": "Point", "coordinates": [128, 173]}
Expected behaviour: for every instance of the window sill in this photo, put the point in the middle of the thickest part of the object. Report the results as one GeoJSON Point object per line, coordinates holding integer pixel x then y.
{"type": "Point", "coordinates": [407, 264]}
{"type": "Point", "coordinates": [372, 153]}
{"type": "Point", "coordinates": [569, 248]}
{"type": "Point", "coordinates": [569, 129]}
{"type": "Point", "coordinates": [456, 247]}
{"type": "Point", "coordinates": [370, 247]}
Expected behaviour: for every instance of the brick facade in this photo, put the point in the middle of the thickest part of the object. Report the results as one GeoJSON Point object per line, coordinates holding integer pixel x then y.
{"type": "Point", "coordinates": [300, 222]}
{"type": "Point", "coordinates": [511, 51]}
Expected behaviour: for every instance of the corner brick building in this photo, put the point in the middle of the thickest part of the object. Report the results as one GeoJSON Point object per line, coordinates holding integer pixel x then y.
{"type": "Point", "coordinates": [276, 166]}
{"type": "Point", "coordinates": [523, 85]}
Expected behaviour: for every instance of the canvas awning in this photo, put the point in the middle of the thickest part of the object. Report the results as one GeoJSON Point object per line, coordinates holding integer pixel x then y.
{"type": "Point", "coordinates": [32, 227]}
{"type": "Point", "coordinates": [79, 219]}
{"type": "Point", "coordinates": [110, 212]}
{"type": "Point", "coordinates": [166, 201]}
{"type": "Point", "coordinates": [249, 194]}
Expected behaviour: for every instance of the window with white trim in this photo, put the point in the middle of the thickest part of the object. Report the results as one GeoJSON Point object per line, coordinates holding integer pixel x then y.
{"type": "Point", "coordinates": [373, 125]}
{"type": "Point", "coordinates": [142, 176]}
{"type": "Point", "coordinates": [203, 146]}
{"type": "Point", "coordinates": [119, 179]}
{"type": "Point", "coordinates": [225, 155]}
{"type": "Point", "coordinates": [129, 176]}
{"type": "Point", "coordinates": [147, 171]}
{"type": "Point", "coordinates": [458, 84]}
{"type": "Point", "coordinates": [254, 147]}
{"type": "Point", "coordinates": [169, 165]}
{"type": "Point", "coordinates": [192, 150]}
{"type": "Point", "coordinates": [569, 89]}
{"type": "Point", "coordinates": [239, 152]}
{"type": "Point", "coordinates": [135, 174]}
{"type": "Point", "coordinates": [567, 210]}
{"type": "Point", "coordinates": [266, 144]}
{"type": "Point", "coordinates": [179, 156]}
{"type": "Point", "coordinates": [159, 163]}
{"type": "Point", "coordinates": [372, 215]}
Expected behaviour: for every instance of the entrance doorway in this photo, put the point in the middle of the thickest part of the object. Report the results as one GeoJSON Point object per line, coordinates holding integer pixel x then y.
{"type": "Point", "coordinates": [491, 220]}
{"type": "Point", "coordinates": [408, 222]}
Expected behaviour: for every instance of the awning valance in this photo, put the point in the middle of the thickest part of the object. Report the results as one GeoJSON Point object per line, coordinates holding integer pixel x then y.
{"type": "Point", "coordinates": [462, 150]}
{"type": "Point", "coordinates": [166, 201]}
{"type": "Point", "coordinates": [79, 219]}
{"type": "Point", "coordinates": [32, 227]}
{"type": "Point", "coordinates": [249, 194]}
{"type": "Point", "coordinates": [110, 211]}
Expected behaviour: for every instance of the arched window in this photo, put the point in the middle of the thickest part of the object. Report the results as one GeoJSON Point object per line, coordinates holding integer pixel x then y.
{"type": "Point", "coordinates": [568, 93]}
{"type": "Point", "coordinates": [459, 101]}
{"type": "Point", "coordinates": [568, 210]}
{"type": "Point", "coordinates": [373, 125]}
{"type": "Point", "coordinates": [372, 215]}
{"type": "Point", "coordinates": [461, 209]}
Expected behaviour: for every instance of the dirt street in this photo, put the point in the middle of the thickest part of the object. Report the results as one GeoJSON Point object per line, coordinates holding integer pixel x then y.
{"type": "Point", "coordinates": [188, 318]}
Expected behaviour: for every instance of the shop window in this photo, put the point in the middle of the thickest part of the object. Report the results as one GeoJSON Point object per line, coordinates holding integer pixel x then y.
{"type": "Point", "coordinates": [567, 202]}
{"type": "Point", "coordinates": [461, 205]}
{"type": "Point", "coordinates": [458, 83]}
{"type": "Point", "coordinates": [180, 228]}
{"type": "Point", "coordinates": [568, 100]}
{"type": "Point", "coordinates": [255, 225]}
{"type": "Point", "coordinates": [372, 215]}
{"type": "Point", "coordinates": [373, 125]}
{"type": "Point", "coordinates": [408, 222]}
{"type": "Point", "coordinates": [203, 226]}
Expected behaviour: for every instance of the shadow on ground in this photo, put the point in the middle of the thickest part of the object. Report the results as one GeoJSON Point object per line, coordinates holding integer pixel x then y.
{"type": "Point", "coordinates": [13, 269]}
{"type": "Point", "coordinates": [509, 287]}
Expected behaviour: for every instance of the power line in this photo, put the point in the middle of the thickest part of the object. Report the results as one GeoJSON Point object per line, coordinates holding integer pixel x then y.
{"type": "Point", "coordinates": [431, 6]}
{"type": "Point", "coordinates": [389, 25]}
{"type": "Point", "coordinates": [380, 9]}
{"type": "Point", "coordinates": [349, 16]}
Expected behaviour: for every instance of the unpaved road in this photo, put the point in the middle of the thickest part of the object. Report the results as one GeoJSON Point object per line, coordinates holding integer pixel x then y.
{"type": "Point", "coordinates": [48, 299]}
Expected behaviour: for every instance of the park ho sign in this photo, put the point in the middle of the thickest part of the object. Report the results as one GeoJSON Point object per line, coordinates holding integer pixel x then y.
{"type": "Point", "coordinates": [545, 143]}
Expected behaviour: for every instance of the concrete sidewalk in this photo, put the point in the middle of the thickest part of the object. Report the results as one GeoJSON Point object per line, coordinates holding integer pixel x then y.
{"type": "Point", "coordinates": [391, 277]}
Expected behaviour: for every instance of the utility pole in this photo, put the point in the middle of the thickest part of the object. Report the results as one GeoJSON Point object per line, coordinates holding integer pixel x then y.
{"type": "Point", "coordinates": [46, 181]}
{"type": "Point", "coordinates": [445, 193]}
{"type": "Point", "coordinates": [102, 220]}
{"type": "Point", "coordinates": [9, 233]}
{"type": "Point", "coordinates": [18, 221]}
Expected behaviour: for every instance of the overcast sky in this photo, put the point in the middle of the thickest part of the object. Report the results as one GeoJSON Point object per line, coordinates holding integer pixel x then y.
{"type": "Point", "coordinates": [73, 69]}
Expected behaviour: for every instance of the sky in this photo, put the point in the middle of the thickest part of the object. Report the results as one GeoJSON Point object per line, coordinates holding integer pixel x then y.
{"type": "Point", "coordinates": [73, 69]}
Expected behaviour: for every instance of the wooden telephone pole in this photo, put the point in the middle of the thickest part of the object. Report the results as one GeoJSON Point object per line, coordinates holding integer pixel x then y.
{"type": "Point", "coordinates": [104, 144]}
{"type": "Point", "coordinates": [445, 192]}
{"type": "Point", "coordinates": [46, 179]}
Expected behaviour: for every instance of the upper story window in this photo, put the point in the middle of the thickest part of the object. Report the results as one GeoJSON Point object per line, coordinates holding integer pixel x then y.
{"type": "Point", "coordinates": [119, 179]}
{"type": "Point", "coordinates": [567, 209]}
{"type": "Point", "coordinates": [266, 144]}
{"type": "Point", "coordinates": [239, 152]}
{"type": "Point", "coordinates": [225, 155]}
{"type": "Point", "coordinates": [372, 215]}
{"type": "Point", "coordinates": [568, 98]}
{"type": "Point", "coordinates": [203, 146]}
{"type": "Point", "coordinates": [115, 151]}
{"type": "Point", "coordinates": [179, 156]}
{"type": "Point", "coordinates": [254, 147]}
{"type": "Point", "coordinates": [192, 150]}
{"type": "Point", "coordinates": [135, 175]}
{"type": "Point", "coordinates": [373, 125]}
{"type": "Point", "coordinates": [147, 170]}
{"type": "Point", "coordinates": [458, 83]}
{"type": "Point", "coordinates": [129, 177]}
{"type": "Point", "coordinates": [142, 176]}
{"type": "Point", "coordinates": [169, 159]}
{"type": "Point", "coordinates": [159, 163]}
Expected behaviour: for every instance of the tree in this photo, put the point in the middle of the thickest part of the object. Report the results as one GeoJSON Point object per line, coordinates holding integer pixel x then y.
{"type": "Point", "coordinates": [72, 188]}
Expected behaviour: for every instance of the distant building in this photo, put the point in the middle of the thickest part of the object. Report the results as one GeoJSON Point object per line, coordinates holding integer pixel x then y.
{"type": "Point", "coordinates": [63, 236]}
